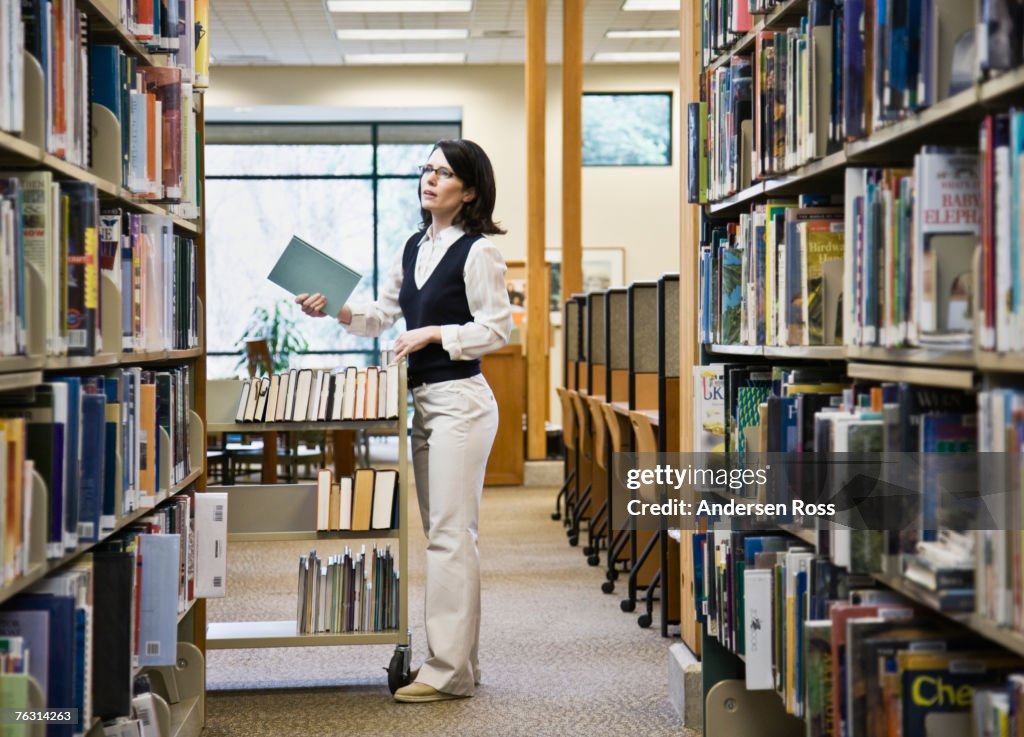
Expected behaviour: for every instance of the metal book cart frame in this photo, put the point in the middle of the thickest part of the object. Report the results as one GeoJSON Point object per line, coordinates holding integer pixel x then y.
{"type": "Point", "coordinates": [288, 512]}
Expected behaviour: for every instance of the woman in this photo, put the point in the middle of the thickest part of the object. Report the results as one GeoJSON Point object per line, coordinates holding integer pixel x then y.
{"type": "Point", "coordinates": [450, 286]}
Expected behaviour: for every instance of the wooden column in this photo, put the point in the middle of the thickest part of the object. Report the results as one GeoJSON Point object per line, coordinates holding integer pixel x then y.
{"type": "Point", "coordinates": [689, 354]}
{"type": "Point", "coordinates": [572, 148]}
{"type": "Point", "coordinates": [536, 277]}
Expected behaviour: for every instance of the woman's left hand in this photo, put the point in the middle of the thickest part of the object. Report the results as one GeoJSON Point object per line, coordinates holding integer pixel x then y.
{"type": "Point", "coordinates": [414, 340]}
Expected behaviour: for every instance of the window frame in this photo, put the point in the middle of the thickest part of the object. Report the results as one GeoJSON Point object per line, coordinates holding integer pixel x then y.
{"type": "Point", "coordinates": [374, 177]}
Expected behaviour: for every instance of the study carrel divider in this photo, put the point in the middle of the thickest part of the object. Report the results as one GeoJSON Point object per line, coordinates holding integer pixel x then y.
{"type": "Point", "coordinates": [616, 340]}
{"type": "Point", "coordinates": [642, 363]}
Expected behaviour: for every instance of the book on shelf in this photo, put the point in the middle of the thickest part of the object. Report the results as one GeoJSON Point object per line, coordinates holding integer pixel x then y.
{"type": "Point", "coordinates": [211, 535]}
{"type": "Point", "coordinates": [12, 99]}
{"type": "Point", "coordinates": [362, 498]}
{"type": "Point", "coordinates": [385, 493]}
{"type": "Point", "coordinates": [350, 592]}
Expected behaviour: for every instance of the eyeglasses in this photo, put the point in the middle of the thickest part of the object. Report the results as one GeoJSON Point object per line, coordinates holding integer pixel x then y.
{"type": "Point", "coordinates": [442, 172]}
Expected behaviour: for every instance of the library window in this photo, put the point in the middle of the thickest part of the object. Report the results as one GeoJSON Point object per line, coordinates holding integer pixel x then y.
{"type": "Point", "coordinates": [627, 129]}
{"type": "Point", "coordinates": [350, 190]}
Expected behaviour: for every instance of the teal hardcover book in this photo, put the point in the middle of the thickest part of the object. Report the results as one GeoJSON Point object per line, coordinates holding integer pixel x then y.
{"type": "Point", "coordinates": [304, 269]}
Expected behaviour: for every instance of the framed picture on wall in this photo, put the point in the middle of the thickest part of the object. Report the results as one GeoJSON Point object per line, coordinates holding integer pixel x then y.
{"type": "Point", "coordinates": [515, 283]}
{"type": "Point", "coordinates": [602, 268]}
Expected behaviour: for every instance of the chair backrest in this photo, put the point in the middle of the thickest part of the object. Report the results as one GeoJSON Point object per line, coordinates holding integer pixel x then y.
{"type": "Point", "coordinates": [581, 423]}
{"type": "Point", "coordinates": [611, 419]}
{"type": "Point", "coordinates": [600, 431]}
{"type": "Point", "coordinates": [258, 353]}
{"type": "Point", "coordinates": [646, 437]}
{"type": "Point", "coordinates": [568, 417]}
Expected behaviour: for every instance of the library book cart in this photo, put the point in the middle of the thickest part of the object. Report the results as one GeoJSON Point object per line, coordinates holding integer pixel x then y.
{"type": "Point", "coordinates": [276, 512]}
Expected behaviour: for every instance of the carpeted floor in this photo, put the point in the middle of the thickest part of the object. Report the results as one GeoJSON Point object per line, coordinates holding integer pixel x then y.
{"type": "Point", "coordinates": [558, 656]}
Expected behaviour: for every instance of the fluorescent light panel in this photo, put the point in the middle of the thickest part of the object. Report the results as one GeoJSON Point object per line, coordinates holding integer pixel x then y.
{"type": "Point", "coordinates": [401, 34]}
{"type": "Point", "coordinates": [445, 58]}
{"type": "Point", "coordinates": [399, 6]}
{"type": "Point", "coordinates": [651, 5]}
{"type": "Point", "coordinates": [657, 33]}
{"type": "Point", "coordinates": [636, 56]}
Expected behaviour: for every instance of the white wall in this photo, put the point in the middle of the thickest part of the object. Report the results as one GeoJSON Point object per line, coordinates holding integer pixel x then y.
{"type": "Point", "coordinates": [635, 208]}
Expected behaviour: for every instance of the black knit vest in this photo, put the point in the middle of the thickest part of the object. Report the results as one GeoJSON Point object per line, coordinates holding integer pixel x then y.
{"type": "Point", "coordinates": [441, 301]}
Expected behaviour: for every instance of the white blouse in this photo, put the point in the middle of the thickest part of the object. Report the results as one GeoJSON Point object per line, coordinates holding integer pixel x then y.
{"type": "Point", "coordinates": [486, 294]}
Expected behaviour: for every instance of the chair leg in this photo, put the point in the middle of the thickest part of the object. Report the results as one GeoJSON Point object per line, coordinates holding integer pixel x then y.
{"type": "Point", "coordinates": [645, 619]}
{"type": "Point", "coordinates": [561, 501]}
{"type": "Point", "coordinates": [595, 532]}
{"type": "Point", "coordinates": [616, 543]}
{"type": "Point", "coordinates": [577, 516]}
{"type": "Point", "coordinates": [666, 617]}
{"type": "Point", "coordinates": [629, 603]}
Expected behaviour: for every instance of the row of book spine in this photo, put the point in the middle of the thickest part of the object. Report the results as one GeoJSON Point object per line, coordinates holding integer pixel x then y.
{"type": "Point", "coordinates": [850, 659]}
{"type": "Point", "coordinates": [57, 241]}
{"type": "Point", "coordinates": [155, 112]}
{"type": "Point", "coordinates": [922, 256]}
{"type": "Point", "coordinates": [774, 277]}
{"type": "Point", "coordinates": [954, 561]}
{"type": "Point", "coordinates": [933, 252]}
{"type": "Point", "coordinates": [83, 634]}
{"type": "Point", "coordinates": [308, 395]}
{"type": "Point", "coordinates": [367, 500]}
{"type": "Point", "coordinates": [97, 445]}
{"type": "Point", "coordinates": [152, 105]}
{"type": "Point", "coordinates": [802, 410]}
{"type": "Point", "coordinates": [351, 592]}
{"type": "Point", "coordinates": [840, 73]}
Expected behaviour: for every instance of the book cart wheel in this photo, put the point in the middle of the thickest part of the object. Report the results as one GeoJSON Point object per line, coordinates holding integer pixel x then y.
{"type": "Point", "coordinates": [398, 669]}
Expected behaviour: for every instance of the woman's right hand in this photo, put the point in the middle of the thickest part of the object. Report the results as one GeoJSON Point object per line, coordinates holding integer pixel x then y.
{"type": "Point", "coordinates": [312, 304]}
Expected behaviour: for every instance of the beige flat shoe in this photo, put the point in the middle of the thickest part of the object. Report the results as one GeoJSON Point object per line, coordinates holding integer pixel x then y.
{"type": "Point", "coordinates": [421, 693]}
{"type": "Point", "coordinates": [413, 675]}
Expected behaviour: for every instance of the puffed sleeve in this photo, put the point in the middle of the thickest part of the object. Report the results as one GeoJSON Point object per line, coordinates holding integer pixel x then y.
{"type": "Point", "coordinates": [487, 296]}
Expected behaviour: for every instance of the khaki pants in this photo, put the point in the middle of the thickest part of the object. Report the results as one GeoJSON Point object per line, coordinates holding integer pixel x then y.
{"type": "Point", "coordinates": [452, 434]}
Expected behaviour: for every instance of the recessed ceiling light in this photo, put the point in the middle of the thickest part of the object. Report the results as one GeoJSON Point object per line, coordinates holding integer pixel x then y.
{"type": "Point", "coordinates": [401, 34]}
{"type": "Point", "coordinates": [636, 56]}
{"type": "Point", "coordinates": [658, 33]}
{"type": "Point", "coordinates": [650, 5]}
{"type": "Point", "coordinates": [444, 58]}
{"type": "Point", "coordinates": [399, 6]}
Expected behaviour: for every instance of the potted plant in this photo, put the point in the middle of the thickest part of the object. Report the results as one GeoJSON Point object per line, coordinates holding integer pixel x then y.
{"type": "Point", "coordinates": [279, 327]}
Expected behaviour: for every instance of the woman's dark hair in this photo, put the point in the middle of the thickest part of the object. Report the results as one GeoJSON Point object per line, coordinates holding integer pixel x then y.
{"type": "Point", "coordinates": [471, 165]}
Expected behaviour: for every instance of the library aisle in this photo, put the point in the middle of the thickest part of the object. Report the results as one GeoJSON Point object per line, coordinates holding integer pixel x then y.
{"type": "Point", "coordinates": [556, 659]}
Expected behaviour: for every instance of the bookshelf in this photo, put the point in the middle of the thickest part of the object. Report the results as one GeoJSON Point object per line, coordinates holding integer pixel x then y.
{"type": "Point", "coordinates": [275, 512]}
{"type": "Point", "coordinates": [178, 689]}
{"type": "Point", "coordinates": [904, 333]}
